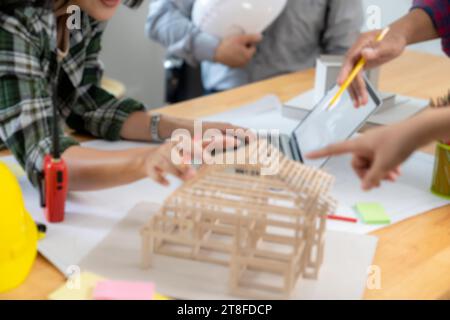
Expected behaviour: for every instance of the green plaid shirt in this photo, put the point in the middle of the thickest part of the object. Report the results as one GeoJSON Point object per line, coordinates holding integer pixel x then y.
{"type": "Point", "coordinates": [28, 65]}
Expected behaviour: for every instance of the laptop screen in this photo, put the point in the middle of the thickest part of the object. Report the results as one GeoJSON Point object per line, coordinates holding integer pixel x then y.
{"type": "Point", "coordinates": [323, 127]}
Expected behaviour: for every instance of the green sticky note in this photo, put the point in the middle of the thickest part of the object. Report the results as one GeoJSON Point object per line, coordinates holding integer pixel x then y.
{"type": "Point", "coordinates": [373, 213]}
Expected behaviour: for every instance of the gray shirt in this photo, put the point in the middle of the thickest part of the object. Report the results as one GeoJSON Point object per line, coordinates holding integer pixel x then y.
{"type": "Point", "coordinates": [305, 29]}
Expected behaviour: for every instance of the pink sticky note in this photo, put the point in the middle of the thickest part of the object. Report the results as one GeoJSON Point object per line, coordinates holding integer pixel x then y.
{"type": "Point", "coordinates": [122, 290]}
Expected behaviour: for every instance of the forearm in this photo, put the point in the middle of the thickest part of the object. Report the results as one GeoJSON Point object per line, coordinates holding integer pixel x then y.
{"type": "Point", "coordinates": [91, 169]}
{"type": "Point", "coordinates": [428, 126]}
{"type": "Point", "coordinates": [415, 27]}
{"type": "Point", "coordinates": [138, 126]}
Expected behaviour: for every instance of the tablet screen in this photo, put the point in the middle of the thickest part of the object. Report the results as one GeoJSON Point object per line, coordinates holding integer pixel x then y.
{"type": "Point", "coordinates": [323, 127]}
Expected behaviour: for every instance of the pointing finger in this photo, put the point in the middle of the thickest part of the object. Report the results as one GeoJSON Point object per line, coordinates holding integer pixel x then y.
{"type": "Point", "coordinates": [333, 150]}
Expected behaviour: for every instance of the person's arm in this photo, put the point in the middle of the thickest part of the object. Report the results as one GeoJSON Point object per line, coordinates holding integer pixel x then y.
{"type": "Point", "coordinates": [344, 21]}
{"type": "Point", "coordinates": [169, 23]}
{"type": "Point", "coordinates": [25, 102]}
{"type": "Point", "coordinates": [415, 27]}
{"type": "Point", "coordinates": [439, 13]}
{"type": "Point", "coordinates": [104, 116]}
{"type": "Point", "coordinates": [378, 153]}
{"type": "Point", "coordinates": [26, 122]}
{"type": "Point", "coordinates": [91, 169]}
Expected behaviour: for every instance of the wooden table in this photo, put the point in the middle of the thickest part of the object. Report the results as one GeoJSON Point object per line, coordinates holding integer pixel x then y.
{"type": "Point", "coordinates": [414, 255]}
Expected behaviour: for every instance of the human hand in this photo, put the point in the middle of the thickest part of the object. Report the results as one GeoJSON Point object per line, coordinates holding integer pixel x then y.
{"type": "Point", "coordinates": [240, 134]}
{"type": "Point", "coordinates": [170, 125]}
{"type": "Point", "coordinates": [176, 157]}
{"type": "Point", "coordinates": [162, 160]}
{"type": "Point", "coordinates": [377, 154]}
{"type": "Point", "coordinates": [375, 53]}
{"type": "Point", "coordinates": [237, 51]}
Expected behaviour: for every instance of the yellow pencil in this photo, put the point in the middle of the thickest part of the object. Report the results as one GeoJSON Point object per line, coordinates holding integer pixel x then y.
{"type": "Point", "coordinates": [359, 66]}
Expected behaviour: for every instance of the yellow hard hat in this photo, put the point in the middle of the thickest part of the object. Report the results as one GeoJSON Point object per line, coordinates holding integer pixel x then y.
{"type": "Point", "coordinates": [18, 233]}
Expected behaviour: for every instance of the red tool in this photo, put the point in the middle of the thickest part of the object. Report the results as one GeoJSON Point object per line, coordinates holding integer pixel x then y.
{"type": "Point", "coordinates": [55, 177]}
{"type": "Point", "coordinates": [344, 219]}
{"type": "Point", "coordinates": [55, 189]}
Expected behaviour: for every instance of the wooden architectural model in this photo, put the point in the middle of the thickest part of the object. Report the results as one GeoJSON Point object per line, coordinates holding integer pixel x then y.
{"type": "Point", "coordinates": [267, 229]}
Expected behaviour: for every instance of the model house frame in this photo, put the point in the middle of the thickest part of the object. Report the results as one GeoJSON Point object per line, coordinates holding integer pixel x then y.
{"type": "Point", "coordinates": [267, 229]}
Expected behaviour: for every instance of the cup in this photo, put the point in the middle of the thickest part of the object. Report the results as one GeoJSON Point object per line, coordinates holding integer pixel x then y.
{"type": "Point", "coordinates": [441, 175]}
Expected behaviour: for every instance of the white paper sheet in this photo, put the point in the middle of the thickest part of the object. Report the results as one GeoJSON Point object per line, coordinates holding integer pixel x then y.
{"type": "Point", "coordinates": [343, 274]}
{"type": "Point", "coordinates": [408, 197]}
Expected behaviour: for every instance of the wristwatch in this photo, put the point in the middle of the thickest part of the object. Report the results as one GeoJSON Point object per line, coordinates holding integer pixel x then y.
{"type": "Point", "coordinates": [154, 128]}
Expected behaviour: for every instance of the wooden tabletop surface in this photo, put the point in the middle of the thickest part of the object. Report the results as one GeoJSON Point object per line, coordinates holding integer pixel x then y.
{"type": "Point", "coordinates": [414, 255]}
